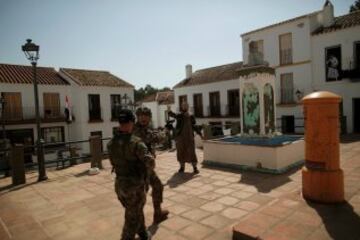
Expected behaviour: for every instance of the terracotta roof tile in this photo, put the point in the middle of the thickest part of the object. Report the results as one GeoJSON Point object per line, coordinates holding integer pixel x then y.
{"type": "Point", "coordinates": [163, 98]}
{"type": "Point", "coordinates": [342, 22]}
{"type": "Point", "coordinates": [213, 74]}
{"type": "Point", "coordinates": [19, 74]}
{"type": "Point", "coordinates": [166, 97]}
{"type": "Point", "coordinates": [95, 78]}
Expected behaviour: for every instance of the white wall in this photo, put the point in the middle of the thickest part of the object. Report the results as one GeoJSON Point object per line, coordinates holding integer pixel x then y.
{"type": "Point", "coordinates": [205, 89]}
{"type": "Point", "coordinates": [81, 126]}
{"type": "Point", "coordinates": [162, 116]}
{"type": "Point", "coordinates": [300, 30]}
{"type": "Point", "coordinates": [28, 103]}
{"type": "Point", "coordinates": [345, 88]}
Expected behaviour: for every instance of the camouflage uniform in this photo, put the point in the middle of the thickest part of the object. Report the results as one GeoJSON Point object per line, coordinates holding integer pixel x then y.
{"type": "Point", "coordinates": [150, 138]}
{"type": "Point", "coordinates": [133, 165]}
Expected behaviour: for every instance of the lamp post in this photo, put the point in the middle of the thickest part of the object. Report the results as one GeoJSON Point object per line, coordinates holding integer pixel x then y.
{"type": "Point", "coordinates": [2, 108]}
{"type": "Point", "coordinates": [31, 51]}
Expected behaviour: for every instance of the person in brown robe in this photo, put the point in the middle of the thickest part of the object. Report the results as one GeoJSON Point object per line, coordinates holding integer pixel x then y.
{"type": "Point", "coordinates": [184, 137]}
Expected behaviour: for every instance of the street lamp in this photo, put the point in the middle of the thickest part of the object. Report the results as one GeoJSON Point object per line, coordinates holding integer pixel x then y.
{"type": "Point", "coordinates": [2, 109]}
{"type": "Point", "coordinates": [31, 51]}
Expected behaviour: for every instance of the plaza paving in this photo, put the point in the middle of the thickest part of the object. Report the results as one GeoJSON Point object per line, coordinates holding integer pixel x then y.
{"type": "Point", "coordinates": [73, 205]}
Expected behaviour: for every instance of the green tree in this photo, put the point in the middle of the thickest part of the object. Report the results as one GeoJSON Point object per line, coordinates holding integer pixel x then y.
{"type": "Point", "coordinates": [355, 6]}
{"type": "Point", "coordinates": [148, 90]}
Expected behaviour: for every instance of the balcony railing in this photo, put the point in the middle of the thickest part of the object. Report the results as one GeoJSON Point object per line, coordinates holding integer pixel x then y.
{"type": "Point", "coordinates": [28, 115]}
{"type": "Point", "coordinates": [214, 111]}
{"type": "Point", "coordinates": [287, 96]}
{"type": "Point", "coordinates": [233, 110]}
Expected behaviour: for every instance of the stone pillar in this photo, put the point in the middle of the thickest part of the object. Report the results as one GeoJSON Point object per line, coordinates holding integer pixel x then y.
{"type": "Point", "coordinates": [322, 178]}
{"type": "Point", "coordinates": [17, 165]}
{"type": "Point", "coordinates": [95, 151]}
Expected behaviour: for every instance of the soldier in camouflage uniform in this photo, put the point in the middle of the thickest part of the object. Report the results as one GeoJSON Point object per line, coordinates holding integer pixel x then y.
{"type": "Point", "coordinates": [143, 130]}
{"type": "Point", "coordinates": [133, 164]}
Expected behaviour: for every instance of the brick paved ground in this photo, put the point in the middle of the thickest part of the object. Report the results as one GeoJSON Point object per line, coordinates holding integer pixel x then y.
{"type": "Point", "coordinates": [73, 205]}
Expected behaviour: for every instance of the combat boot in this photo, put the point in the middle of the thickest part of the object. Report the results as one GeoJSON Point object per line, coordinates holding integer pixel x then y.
{"type": "Point", "coordinates": [160, 215]}
{"type": "Point", "coordinates": [145, 235]}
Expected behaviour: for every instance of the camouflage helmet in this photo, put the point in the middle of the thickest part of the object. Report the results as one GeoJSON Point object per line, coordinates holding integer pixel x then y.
{"type": "Point", "coordinates": [138, 111]}
{"type": "Point", "coordinates": [126, 116]}
{"type": "Point", "coordinates": [146, 111]}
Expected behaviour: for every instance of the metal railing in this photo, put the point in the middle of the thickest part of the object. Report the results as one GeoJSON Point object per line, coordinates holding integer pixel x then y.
{"type": "Point", "coordinates": [53, 154]}
{"type": "Point", "coordinates": [21, 114]}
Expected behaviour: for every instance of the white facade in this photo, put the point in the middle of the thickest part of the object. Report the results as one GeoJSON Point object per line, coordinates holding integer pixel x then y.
{"type": "Point", "coordinates": [28, 106]}
{"type": "Point", "coordinates": [305, 71]}
{"type": "Point", "coordinates": [82, 127]}
{"type": "Point", "coordinates": [205, 89]}
{"type": "Point", "coordinates": [346, 88]}
{"type": "Point", "coordinates": [308, 65]}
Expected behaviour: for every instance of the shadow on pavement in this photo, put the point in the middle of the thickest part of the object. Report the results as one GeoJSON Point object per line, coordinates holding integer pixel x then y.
{"type": "Point", "coordinates": [180, 178]}
{"type": "Point", "coordinates": [340, 220]}
{"type": "Point", "coordinates": [12, 187]}
{"type": "Point", "coordinates": [266, 182]}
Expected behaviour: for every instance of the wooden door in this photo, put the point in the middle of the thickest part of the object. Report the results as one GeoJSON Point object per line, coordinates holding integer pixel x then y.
{"type": "Point", "coordinates": [13, 106]}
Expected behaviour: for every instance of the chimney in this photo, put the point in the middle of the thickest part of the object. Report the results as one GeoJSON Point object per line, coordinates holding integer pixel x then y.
{"type": "Point", "coordinates": [328, 14]}
{"type": "Point", "coordinates": [188, 69]}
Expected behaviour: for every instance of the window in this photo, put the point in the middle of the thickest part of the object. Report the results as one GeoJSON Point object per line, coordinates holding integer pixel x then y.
{"type": "Point", "coordinates": [333, 63]}
{"type": "Point", "coordinates": [214, 104]}
{"type": "Point", "coordinates": [94, 107]}
{"type": "Point", "coordinates": [51, 105]}
{"type": "Point", "coordinates": [13, 106]}
{"type": "Point", "coordinates": [53, 134]}
{"type": "Point", "coordinates": [285, 45]}
{"type": "Point", "coordinates": [115, 101]}
{"type": "Point", "coordinates": [287, 88]}
{"type": "Point", "coordinates": [233, 103]}
{"type": "Point", "coordinates": [182, 99]}
{"type": "Point", "coordinates": [198, 105]}
{"type": "Point", "coordinates": [357, 55]}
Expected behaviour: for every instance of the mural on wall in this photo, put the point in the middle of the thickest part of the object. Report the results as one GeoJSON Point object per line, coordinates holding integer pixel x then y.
{"type": "Point", "coordinates": [251, 109]}
{"type": "Point", "coordinates": [269, 111]}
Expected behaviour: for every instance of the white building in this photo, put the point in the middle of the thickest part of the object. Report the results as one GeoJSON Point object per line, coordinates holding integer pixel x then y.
{"type": "Point", "coordinates": [158, 103]}
{"type": "Point", "coordinates": [93, 96]}
{"type": "Point", "coordinates": [96, 96]}
{"type": "Point", "coordinates": [299, 50]}
{"type": "Point", "coordinates": [16, 87]}
{"type": "Point", "coordinates": [212, 94]}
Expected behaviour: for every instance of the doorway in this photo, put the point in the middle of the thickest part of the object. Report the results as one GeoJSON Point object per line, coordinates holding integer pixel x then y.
{"type": "Point", "coordinates": [356, 114]}
{"type": "Point", "coordinates": [288, 124]}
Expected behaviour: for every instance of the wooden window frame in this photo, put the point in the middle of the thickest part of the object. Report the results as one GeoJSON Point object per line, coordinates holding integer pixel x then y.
{"type": "Point", "coordinates": [281, 60]}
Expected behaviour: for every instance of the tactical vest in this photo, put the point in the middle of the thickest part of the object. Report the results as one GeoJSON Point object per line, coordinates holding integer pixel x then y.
{"type": "Point", "coordinates": [124, 158]}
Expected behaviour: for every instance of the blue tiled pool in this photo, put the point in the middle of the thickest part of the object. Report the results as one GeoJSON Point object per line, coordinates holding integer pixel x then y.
{"type": "Point", "coordinates": [262, 141]}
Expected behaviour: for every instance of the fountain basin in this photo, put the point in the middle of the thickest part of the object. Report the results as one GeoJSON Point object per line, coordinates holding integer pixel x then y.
{"type": "Point", "coordinates": [276, 155]}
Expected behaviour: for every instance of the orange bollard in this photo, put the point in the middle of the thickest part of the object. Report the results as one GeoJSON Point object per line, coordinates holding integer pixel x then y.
{"type": "Point", "coordinates": [322, 178]}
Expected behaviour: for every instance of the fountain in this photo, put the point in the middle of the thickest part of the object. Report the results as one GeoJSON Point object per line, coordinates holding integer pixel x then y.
{"type": "Point", "coordinates": [258, 147]}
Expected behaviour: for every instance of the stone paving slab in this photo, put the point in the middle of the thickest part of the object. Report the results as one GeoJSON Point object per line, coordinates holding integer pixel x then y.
{"type": "Point", "coordinates": [74, 205]}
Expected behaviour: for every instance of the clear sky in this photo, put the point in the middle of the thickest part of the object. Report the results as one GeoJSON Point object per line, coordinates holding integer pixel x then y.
{"type": "Point", "coordinates": [141, 41]}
